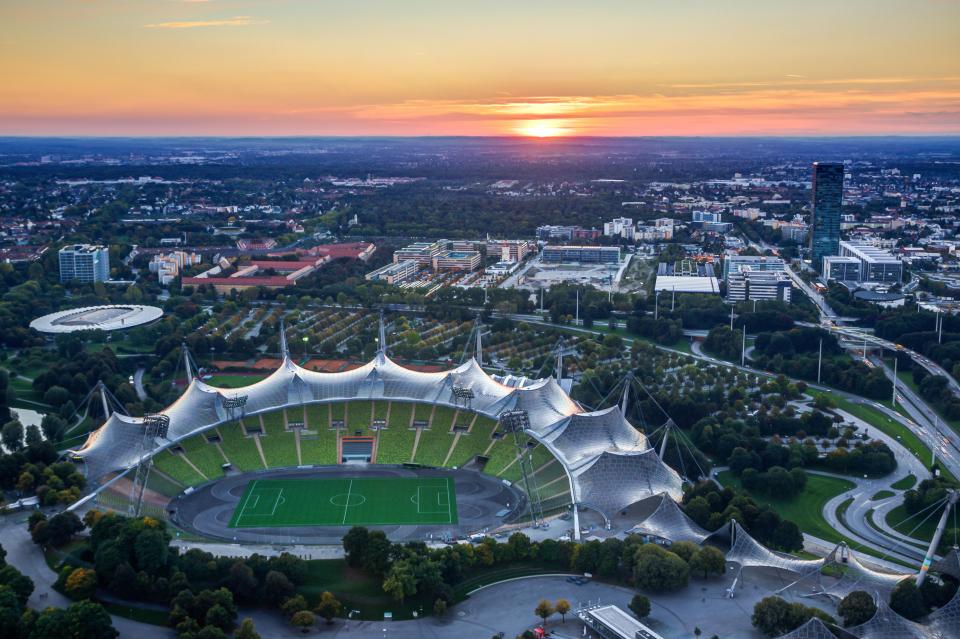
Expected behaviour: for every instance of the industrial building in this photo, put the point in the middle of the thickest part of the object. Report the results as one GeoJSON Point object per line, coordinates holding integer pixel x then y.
{"type": "Point", "coordinates": [841, 268]}
{"type": "Point", "coordinates": [457, 261]}
{"type": "Point", "coordinates": [84, 263]}
{"type": "Point", "coordinates": [421, 252]}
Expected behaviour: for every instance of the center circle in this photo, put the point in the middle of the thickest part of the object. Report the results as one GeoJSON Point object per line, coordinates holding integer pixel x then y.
{"type": "Point", "coordinates": [347, 499]}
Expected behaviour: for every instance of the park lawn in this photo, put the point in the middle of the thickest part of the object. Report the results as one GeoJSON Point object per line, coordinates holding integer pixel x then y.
{"type": "Point", "coordinates": [232, 380]}
{"type": "Point", "coordinates": [883, 494]}
{"type": "Point", "coordinates": [806, 509]}
{"type": "Point", "coordinates": [885, 424]}
{"type": "Point", "coordinates": [356, 591]}
{"type": "Point", "coordinates": [906, 483]}
{"type": "Point", "coordinates": [897, 519]}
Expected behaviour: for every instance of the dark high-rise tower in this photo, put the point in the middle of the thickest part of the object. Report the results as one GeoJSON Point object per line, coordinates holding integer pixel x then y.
{"type": "Point", "coordinates": [825, 219]}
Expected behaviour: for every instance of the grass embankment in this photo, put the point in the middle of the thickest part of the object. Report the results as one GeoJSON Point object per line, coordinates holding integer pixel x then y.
{"type": "Point", "coordinates": [885, 424]}
{"type": "Point", "coordinates": [906, 483]}
{"type": "Point", "coordinates": [906, 378]}
{"type": "Point", "coordinates": [899, 519]}
{"type": "Point", "coordinates": [806, 509]}
{"type": "Point", "coordinates": [883, 494]}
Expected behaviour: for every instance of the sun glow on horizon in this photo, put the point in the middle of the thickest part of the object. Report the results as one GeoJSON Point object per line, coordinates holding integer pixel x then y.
{"type": "Point", "coordinates": [542, 129]}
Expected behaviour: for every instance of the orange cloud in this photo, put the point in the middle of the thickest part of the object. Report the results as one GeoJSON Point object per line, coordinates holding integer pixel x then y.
{"type": "Point", "coordinates": [238, 21]}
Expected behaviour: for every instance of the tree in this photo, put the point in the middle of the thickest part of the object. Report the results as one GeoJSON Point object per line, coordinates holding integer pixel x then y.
{"type": "Point", "coordinates": [10, 611]}
{"type": "Point", "coordinates": [293, 605]}
{"type": "Point", "coordinates": [277, 588]}
{"type": "Point", "coordinates": [544, 609]}
{"type": "Point", "coordinates": [658, 569]}
{"type": "Point", "coordinates": [640, 606]}
{"type": "Point", "coordinates": [563, 607]}
{"type": "Point", "coordinates": [19, 584]}
{"type": "Point", "coordinates": [708, 561]}
{"type": "Point", "coordinates": [856, 608]}
{"type": "Point", "coordinates": [907, 601]}
{"type": "Point", "coordinates": [773, 616]}
{"type": "Point", "coordinates": [151, 548]}
{"type": "Point", "coordinates": [12, 435]}
{"type": "Point", "coordinates": [81, 584]}
{"type": "Point", "coordinates": [440, 607]}
{"type": "Point", "coordinates": [328, 607]}
{"type": "Point", "coordinates": [247, 630]}
{"type": "Point", "coordinates": [303, 620]}
{"type": "Point", "coordinates": [88, 620]}
{"type": "Point", "coordinates": [243, 584]}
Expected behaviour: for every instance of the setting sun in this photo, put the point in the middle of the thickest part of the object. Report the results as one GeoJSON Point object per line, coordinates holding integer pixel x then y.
{"type": "Point", "coordinates": [542, 129]}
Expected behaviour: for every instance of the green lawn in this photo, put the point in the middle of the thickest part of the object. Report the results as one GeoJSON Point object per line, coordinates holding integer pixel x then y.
{"type": "Point", "coordinates": [882, 422]}
{"type": "Point", "coordinates": [356, 591]}
{"type": "Point", "coordinates": [904, 484]}
{"type": "Point", "coordinates": [232, 380]}
{"type": "Point", "coordinates": [883, 494]}
{"type": "Point", "coordinates": [806, 509]}
{"type": "Point", "coordinates": [346, 502]}
{"type": "Point", "coordinates": [912, 527]}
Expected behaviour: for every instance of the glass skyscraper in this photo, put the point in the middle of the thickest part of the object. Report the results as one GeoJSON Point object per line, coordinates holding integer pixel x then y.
{"type": "Point", "coordinates": [827, 201]}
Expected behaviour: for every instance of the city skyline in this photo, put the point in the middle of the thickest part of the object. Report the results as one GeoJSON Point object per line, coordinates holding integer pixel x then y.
{"type": "Point", "coordinates": [246, 67]}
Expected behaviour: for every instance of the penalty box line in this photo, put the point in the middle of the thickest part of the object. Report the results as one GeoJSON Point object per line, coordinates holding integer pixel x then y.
{"type": "Point", "coordinates": [276, 504]}
{"type": "Point", "coordinates": [439, 491]}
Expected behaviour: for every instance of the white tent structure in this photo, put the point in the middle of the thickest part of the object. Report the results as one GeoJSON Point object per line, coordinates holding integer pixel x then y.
{"type": "Point", "coordinates": [609, 463]}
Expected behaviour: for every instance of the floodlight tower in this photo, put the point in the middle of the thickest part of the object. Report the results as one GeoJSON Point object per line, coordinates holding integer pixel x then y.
{"type": "Point", "coordinates": [517, 422]}
{"type": "Point", "coordinates": [951, 502]}
{"type": "Point", "coordinates": [154, 426]}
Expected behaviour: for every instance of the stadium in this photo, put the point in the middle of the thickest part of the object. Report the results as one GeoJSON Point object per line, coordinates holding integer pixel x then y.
{"type": "Point", "coordinates": [101, 318]}
{"type": "Point", "coordinates": [302, 455]}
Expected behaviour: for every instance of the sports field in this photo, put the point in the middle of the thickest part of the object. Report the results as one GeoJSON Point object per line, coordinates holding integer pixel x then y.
{"type": "Point", "coordinates": [272, 503]}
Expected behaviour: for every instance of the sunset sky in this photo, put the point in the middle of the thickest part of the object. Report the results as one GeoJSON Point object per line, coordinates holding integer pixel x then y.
{"type": "Point", "coordinates": [481, 67]}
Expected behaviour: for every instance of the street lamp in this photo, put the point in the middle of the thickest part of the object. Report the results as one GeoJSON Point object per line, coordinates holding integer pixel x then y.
{"type": "Point", "coordinates": [305, 340]}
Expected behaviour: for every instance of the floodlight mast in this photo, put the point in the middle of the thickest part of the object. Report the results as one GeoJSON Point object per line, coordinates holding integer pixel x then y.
{"type": "Point", "coordinates": [951, 502]}
{"type": "Point", "coordinates": [153, 426]}
{"type": "Point", "coordinates": [517, 422]}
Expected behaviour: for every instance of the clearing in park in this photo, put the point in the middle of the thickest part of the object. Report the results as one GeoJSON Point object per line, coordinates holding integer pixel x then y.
{"type": "Point", "coordinates": [382, 501]}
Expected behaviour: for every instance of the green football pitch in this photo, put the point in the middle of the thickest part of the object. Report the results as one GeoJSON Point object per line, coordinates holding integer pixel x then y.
{"type": "Point", "coordinates": [271, 503]}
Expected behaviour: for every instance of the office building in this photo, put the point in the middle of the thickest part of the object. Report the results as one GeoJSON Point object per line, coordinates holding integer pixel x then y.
{"type": "Point", "coordinates": [826, 206]}
{"type": "Point", "coordinates": [747, 284]}
{"type": "Point", "coordinates": [620, 227]}
{"type": "Point", "coordinates": [582, 254]}
{"type": "Point", "coordinates": [395, 272]}
{"type": "Point", "coordinates": [168, 267]}
{"type": "Point", "coordinates": [700, 217]}
{"type": "Point", "coordinates": [84, 263]}
{"type": "Point", "coordinates": [733, 263]}
{"type": "Point", "coordinates": [509, 250]}
{"type": "Point", "coordinates": [876, 265]}
{"type": "Point", "coordinates": [567, 233]}
{"type": "Point", "coordinates": [841, 268]}
{"type": "Point", "coordinates": [457, 261]}
{"type": "Point", "coordinates": [421, 252]}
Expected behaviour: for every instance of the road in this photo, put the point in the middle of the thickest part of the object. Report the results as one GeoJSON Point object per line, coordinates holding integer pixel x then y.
{"type": "Point", "coordinates": [138, 384]}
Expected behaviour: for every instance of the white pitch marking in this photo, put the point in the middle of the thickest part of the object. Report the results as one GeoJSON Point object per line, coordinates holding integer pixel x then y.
{"type": "Point", "coordinates": [347, 507]}
{"type": "Point", "coordinates": [247, 500]}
